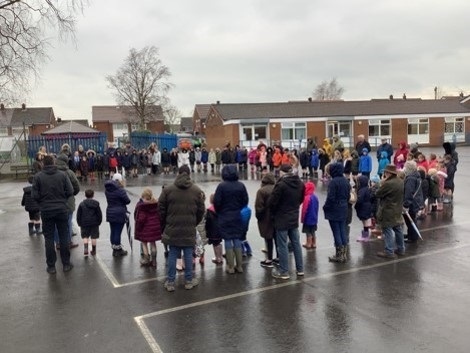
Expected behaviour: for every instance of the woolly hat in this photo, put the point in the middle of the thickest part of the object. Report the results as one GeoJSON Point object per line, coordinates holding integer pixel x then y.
{"type": "Point", "coordinates": [286, 168]}
{"type": "Point", "coordinates": [117, 177]}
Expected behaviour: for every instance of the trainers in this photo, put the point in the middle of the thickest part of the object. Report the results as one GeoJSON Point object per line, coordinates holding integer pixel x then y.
{"type": "Point", "coordinates": [169, 286]}
{"type": "Point", "coordinates": [300, 273]}
{"type": "Point", "coordinates": [191, 284]}
{"type": "Point", "coordinates": [386, 255]}
{"type": "Point", "coordinates": [68, 267]}
{"type": "Point", "coordinates": [276, 261]}
{"type": "Point", "coordinates": [276, 274]}
{"type": "Point", "coordinates": [73, 245]}
{"type": "Point", "coordinates": [51, 270]}
{"type": "Point", "coordinates": [85, 252]}
{"type": "Point", "coordinates": [399, 252]}
{"type": "Point", "coordinates": [266, 263]}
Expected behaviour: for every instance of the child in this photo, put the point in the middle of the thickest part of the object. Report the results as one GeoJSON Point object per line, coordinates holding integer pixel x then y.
{"type": "Point", "coordinates": [89, 218]}
{"type": "Point", "coordinates": [32, 207]}
{"type": "Point", "coordinates": [363, 206]}
{"type": "Point", "coordinates": [201, 239]}
{"type": "Point", "coordinates": [347, 164]}
{"type": "Point", "coordinates": [450, 166]}
{"type": "Point", "coordinates": [425, 192]}
{"type": "Point", "coordinates": [246, 215]}
{"type": "Point", "coordinates": [365, 163]}
{"type": "Point", "coordinates": [374, 186]}
{"type": "Point", "coordinates": [309, 217]}
{"type": "Point", "coordinates": [147, 227]}
{"type": "Point", "coordinates": [433, 194]}
{"type": "Point", "coordinates": [212, 233]}
{"type": "Point", "coordinates": [383, 162]}
{"type": "Point", "coordinates": [252, 159]}
{"type": "Point", "coordinates": [354, 164]}
{"type": "Point", "coordinates": [314, 163]}
{"type": "Point", "coordinates": [324, 160]}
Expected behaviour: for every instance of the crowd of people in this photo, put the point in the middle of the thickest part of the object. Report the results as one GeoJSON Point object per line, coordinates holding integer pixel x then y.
{"type": "Point", "coordinates": [406, 185]}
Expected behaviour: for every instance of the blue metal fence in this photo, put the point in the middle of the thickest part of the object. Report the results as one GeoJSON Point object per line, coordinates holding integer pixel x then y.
{"type": "Point", "coordinates": [141, 140]}
{"type": "Point", "coordinates": [53, 143]}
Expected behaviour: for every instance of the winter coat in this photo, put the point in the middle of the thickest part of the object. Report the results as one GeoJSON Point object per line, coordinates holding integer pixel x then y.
{"type": "Point", "coordinates": [117, 198]}
{"type": "Point", "coordinates": [449, 181]}
{"type": "Point", "coordinates": [62, 165]}
{"type": "Point", "coordinates": [147, 221]}
{"type": "Point", "coordinates": [204, 156]}
{"type": "Point", "coordinates": [30, 204]}
{"type": "Point", "coordinates": [388, 149]}
{"type": "Point", "coordinates": [337, 199]}
{"type": "Point", "coordinates": [400, 155]}
{"type": "Point", "coordinates": [433, 182]}
{"type": "Point", "coordinates": [246, 216]}
{"type": "Point", "coordinates": [347, 166]}
{"type": "Point", "coordinates": [262, 212]}
{"type": "Point", "coordinates": [390, 195]}
{"type": "Point", "coordinates": [286, 198]}
{"type": "Point", "coordinates": [165, 158]}
{"type": "Point", "coordinates": [181, 210]}
{"type": "Point", "coordinates": [229, 199]}
{"type": "Point", "coordinates": [310, 205]}
{"type": "Point", "coordinates": [51, 188]}
{"type": "Point", "coordinates": [225, 156]}
{"type": "Point", "coordinates": [354, 163]}
{"type": "Point", "coordinates": [413, 196]}
{"type": "Point", "coordinates": [365, 162]}
{"type": "Point", "coordinates": [314, 161]}
{"type": "Point", "coordinates": [212, 229]}
{"type": "Point", "coordinates": [304, 159]}
{"type": "Point", "coordinates": [383, 162]}
{"type": "Point", "coordinates": [424, 185]}
{"type": "Point", "coordinates": [212, 157]}
{"type": "Point", "coordinates": [363, 204]}
{"type": "Point", "coordinates": [360, 146]}
{"type": "Point", "coordinates": [449, 148]}
{"type": "Point", "coordinates": [89, 213]}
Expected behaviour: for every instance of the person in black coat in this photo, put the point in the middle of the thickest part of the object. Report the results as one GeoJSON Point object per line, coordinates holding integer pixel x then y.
{"type": "Point", "coordinates": [412, 199]}
{"type": "Point", "coordinates": [363, 206]}
{"type": "Point", "coordinates": [229, 199]}
{"type": "Point", "coordinates": [336, 210]}
{"type": "Point", "coordinates": [32, 207]}
{"type": "Point", "coordinates": [287, 196]}
{"type": "Point", "coordinates": [89, 218]}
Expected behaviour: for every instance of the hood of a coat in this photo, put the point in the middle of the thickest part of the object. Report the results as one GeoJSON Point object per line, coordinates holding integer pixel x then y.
{"type": "Point", "coordinates": [230, 173]}
{"type": "Point", "coordinates": [183, 181]}
{"type": "Point", "coordinates": [309, 188]}
{"type": "Point", "coordinates": [91, 203]}
{"type": "Point", "coordinates": [112, 185]}
{"type": "Point", "coordinates": [268, 179]}
{"type": "Point", "coordinates": [336, 169]}
{"type": "Point", "coordinates": [362, 181]}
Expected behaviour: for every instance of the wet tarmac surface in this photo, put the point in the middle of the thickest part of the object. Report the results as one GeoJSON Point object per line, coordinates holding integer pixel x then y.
{"type": "Point", "coordinates": [417, 303]}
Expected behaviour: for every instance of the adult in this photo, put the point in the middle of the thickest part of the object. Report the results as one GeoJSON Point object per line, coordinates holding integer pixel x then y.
{"type": "Point", "coordinates": [263, 215]}
{"type": "Point", "coordinates": [62, 165]}
{"type": "Point", "coordinates": [229, 199]}
{"type": "Point", "coordinates": [337, 144]}
{"type": "Point", "coordinates": [51, 189]}
{"type": "Point", "coordinates": [389, 212]}
{"type": "Point", "coordinates": [361, 144]}
{"type": "Point", "coordinates": [284, 203]}
{"type": "Point", "coordinates": [336, 210]}
{"type": "Point", "coordinates": [116, 211]}
{"type": "Point", "coordinates": [412, 199]}
{"type": "Point", "coordinates": [385, 147]}
{"type": "Point", "coordinates": [181, 208]}
{"type": "Point", "coordinates": [401, 155]}
{"type": "Point", "coordinates": [156, 160]}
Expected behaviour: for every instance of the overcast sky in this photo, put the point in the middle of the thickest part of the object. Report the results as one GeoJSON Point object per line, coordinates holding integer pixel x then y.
{"type": "Point", "coordinates": [263, 50]}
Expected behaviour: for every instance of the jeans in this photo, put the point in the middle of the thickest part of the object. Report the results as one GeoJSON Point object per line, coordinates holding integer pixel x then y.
{"type": "Point", "coordinates": [51, 221]}
{"type": "Point", "coordinates": [283, 252]}
{"type": "Point", "coordinates": [392, 236]}
{"type": "Point", "coordinates": [232, 244]}
{"type": "Point", "coordinates": [339, 233]}
{"type": "Point", "coordinates": [175, 252]}
{"type": "Point", "coordinates": [69, 225]}
{"type": "Point", "coordinates": [115, 235]}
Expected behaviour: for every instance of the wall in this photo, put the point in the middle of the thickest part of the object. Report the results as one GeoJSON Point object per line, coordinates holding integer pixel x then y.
{"type": "Point", "coordinates": [399, 131]}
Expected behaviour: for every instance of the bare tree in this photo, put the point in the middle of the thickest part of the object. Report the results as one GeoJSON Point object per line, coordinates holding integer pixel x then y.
{"type": "Point", "coordinates": [328, 91]}
{"type": "Point", "coordinates": [141, 82]}
{"type": "Point", "coordinates": [172, 117]}
{"type": "Point", "coordinates": [23, 42]}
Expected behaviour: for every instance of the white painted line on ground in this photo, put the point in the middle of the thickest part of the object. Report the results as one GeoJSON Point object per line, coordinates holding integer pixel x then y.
{"type": "Point", "coordinates": [107, 272]}
{"type": "Point", "coordinates": [156, 348]}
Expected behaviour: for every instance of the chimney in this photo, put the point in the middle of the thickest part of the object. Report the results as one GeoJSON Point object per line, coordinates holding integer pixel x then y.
{"type": "Point", "coordinates": [404, 95]}
{"type": "Point", "coordinates": [391, 97]}
{"type": "Point", "coordinates": [309, 99]}
{"type": "Point", "coordinates": [59, 120]}
{"type": "Point", "coordinates": [218, 102]}
{"type": "Point", "coordinates": [23, 106]}
{"type": "Point", "coordinates": [2, 106]}
{"type": "Point", "coordinates": [460, 95]}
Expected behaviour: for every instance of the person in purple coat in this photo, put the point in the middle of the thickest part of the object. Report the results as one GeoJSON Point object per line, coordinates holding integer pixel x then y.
{"type": "Point", "coordinates": [116, 211]}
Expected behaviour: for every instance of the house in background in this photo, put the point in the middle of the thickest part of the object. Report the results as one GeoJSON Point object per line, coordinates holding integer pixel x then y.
{"type": "Point", "coordinates": [200, 114]}
{"type": "Point", "coordinates": [186, 125]}
{"type": "Point", "coordinates": [119, 121]}
{"type": "Point", "coordinates": [427, 122]}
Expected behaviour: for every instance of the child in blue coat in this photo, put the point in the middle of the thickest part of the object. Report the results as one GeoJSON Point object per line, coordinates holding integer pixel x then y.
{"type": "Point", "coordinates": [365, 163]}
{"type": "Point", "coordinates": [309, 216]}
{"type": "Point", "coordinates": [246, 216]}
{"type": "Point", "coordinates": [383, 162]}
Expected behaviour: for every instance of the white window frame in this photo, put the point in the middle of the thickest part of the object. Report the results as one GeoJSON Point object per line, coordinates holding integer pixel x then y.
{"type": "Point", "coordinates": [419, 137]}
{"type": "Point", "coordinates": [375, 139]}
{"type": "Point", "coordinates": [454, 136]}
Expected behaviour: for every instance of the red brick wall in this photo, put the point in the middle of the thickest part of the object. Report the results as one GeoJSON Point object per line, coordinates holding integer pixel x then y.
{"type": "Point", "coordinates": [316, 130]}
{"type": "Point", "coordinates": [399, 131]}
{"type": "Point", "coordinates": [436, 131]}
{"type": "Point", "coordinates": [157, 127]}
{"type": "Point", "coordinates": [274, 132]}
{"type": "Point", "coordinates": [106, 128]}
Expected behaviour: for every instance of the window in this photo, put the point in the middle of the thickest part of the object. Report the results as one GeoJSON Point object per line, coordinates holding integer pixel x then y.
{"type": "Point", "coordinates": [378, 128]}
{"type": "Point", "coordinates": [454, 125]}
{"type": "Point", "coordinates": [120, 126]}
{"type": "Point", "coordinates": [293, 131]}
{"type": "Point", "coordinates": [418, 126]}
{"type": "Point", "coordinates": [253, 132]}
{"type": "Point", "coordinates": [3, 131]}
